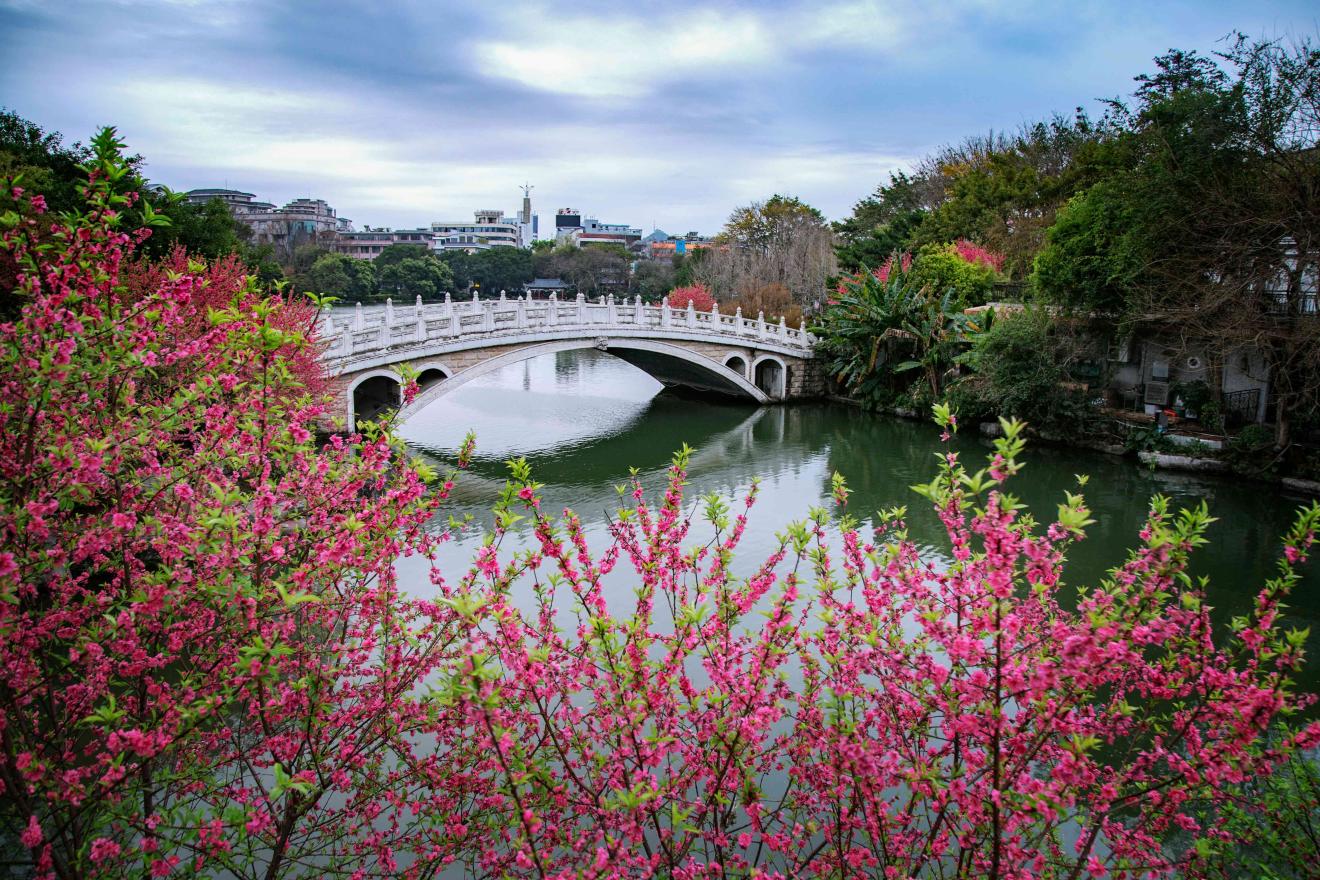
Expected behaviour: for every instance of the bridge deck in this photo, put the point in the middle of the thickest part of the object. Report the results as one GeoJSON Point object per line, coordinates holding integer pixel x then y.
{"type": "Point", "coordinates": [369, 335]}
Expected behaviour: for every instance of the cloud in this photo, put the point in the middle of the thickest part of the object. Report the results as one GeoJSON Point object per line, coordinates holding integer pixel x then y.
{"type": "Point", "coordinates": [623, 54]}
{"type": "Point", "coordinates": [627, 53]}
{"type": "Point", "coordinates": [675, 113]}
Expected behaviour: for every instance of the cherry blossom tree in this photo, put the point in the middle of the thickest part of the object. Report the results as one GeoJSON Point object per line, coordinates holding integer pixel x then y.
{"type": "Point", "coordinates": [205, 664]}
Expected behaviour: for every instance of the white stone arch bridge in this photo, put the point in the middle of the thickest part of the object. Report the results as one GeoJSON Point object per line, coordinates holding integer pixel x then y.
{"type": "Point", "coordinates": [452, 343]}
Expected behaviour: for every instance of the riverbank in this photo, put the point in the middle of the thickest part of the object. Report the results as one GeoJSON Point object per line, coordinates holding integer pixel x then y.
{"type": "Point", "coordinates": [1153, 459]}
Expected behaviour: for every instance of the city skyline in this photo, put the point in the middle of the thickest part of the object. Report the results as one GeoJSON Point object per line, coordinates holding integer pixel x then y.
{"type": "Point", "coordinates": [670, 119]}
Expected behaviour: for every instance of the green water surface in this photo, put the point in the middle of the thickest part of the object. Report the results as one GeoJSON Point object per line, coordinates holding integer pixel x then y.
{"type": "Point", "coordinates": [582, 419]}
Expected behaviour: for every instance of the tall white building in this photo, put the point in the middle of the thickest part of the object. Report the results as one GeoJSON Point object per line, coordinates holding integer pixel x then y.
{"type": "Point", "coordinates": [489, 228]}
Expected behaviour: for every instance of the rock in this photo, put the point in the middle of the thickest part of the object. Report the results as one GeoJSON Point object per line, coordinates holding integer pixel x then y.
{"type": "Point", "coordinates": [1182, 462]}
{"type": "Point", "coordinates": [1297, 484]}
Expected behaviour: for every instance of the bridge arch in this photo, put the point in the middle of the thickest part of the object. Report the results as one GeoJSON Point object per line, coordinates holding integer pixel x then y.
{"type": "Point", "coordinates": [770, 375]}
{"type": "Point", "coordinates": [671, 364]}
{"type": "Point", "coordinates": [736, 361]}
{"type": "Point", "coordinates": [430, 371]}
{"type": "Point", "coordinates": [372, 393]}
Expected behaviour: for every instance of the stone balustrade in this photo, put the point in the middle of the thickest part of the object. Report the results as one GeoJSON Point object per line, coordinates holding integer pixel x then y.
{"type": "Point", "coordinates": [368, 333]}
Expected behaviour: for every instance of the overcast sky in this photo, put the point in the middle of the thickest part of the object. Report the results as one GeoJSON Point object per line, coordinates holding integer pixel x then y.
{"type": "Point", "coordinates": [668, 113]}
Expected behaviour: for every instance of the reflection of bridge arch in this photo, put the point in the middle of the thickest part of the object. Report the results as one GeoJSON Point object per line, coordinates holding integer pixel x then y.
{"type": "Point", "coordinates": [454, 343]}
{"type": "Point", "coordinates": [660, 359]}
{"type": "Point", "coordinates": [726, 453]}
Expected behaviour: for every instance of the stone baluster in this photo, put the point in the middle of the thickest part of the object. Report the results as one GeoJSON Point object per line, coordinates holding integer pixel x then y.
{"type": "Point", "coordinates": [420, 334]}
{"type": "Point", "coordinates": [760, 325]}
{"type": "Point", "coordinates": [521, 312]}
{"type": "Point", "coordinates": [783, 328]}
{"type": "Point", "coordinates": [417, 308]}
{"type": "Point", "coordinates": [611, 311]}
{"type": "Point", "coordinates": [501, 296]}
{"type": "Point", "coordinates": [581, 308]}
{"type": "Point", "coordinates": [389, 312]}
{"type": "Point", "coordinates": [714, 317]}
{"type": "Point", "coordinates": [691, 314]}
{"type": "Point", "coordinates": [446, 312]}
{"type": "Point", "coordinates": [359, 320]}
{"type": "Point", "coordinates": [554, 308]}
{"type": "Point", "coordinates": [737, 321]}
{"type": "Point", "coordinates": [488, 322]}
{"type": "Point", "coordinates": [639, 313]}
{"type": "Point", "coordinates": [665, 316]}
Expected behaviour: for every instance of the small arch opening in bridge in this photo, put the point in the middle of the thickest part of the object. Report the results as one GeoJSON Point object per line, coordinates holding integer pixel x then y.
{"type": "Point", "coordinates": [769, 375]}
{"type": "Point", "coordinates": [430, 377]}
{"type": "Point", "coordinates": [737, 363]}
{"type": "Point", "coordinates": [374, 397]}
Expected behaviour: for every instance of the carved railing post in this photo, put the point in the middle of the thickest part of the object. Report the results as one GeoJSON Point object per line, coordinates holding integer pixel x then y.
{"type": "Point", "coordinates": [783, 328]}
{"type": "Point", "coordinates": [554, 309]}
{"type": "Point", "coordinates": [639, 315]}
{"type": "Point", "coordinates": [760, 325]}
{"type": "Point", "coordinates": [522, 313]}
{"type": "Point", "coordinates": [418, 306]}
{"type": "Point", "coordinates": [420, 334]}
{"type": "Point", "coordinates": [738, 321]}
{"type": "Point", "coordinates": [665, 316]}
{"type": "Point", "coordinates": [581, 308]}
{"type": "Point", "coordinates": [488, 319]}
{"type": "Point", "coordinates": [389, 312]}
{"type": "Point", "coordinates": [359, 320]}
{"type": "Point", "coordinates": [691, 314]}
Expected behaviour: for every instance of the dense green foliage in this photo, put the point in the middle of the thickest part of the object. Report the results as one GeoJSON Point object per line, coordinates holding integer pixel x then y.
{"type": "Point", "coordinates": [339, 275]}
{"type": "Point", "coordinates": [874, 333]}
{"type": "Point", "coordinates": [41, 161]}
{"type": "Point", "coordinates": [424, 276]}
{"type": "Point", "coordinates": [1019, 368]}
{"type": "Point", "coordinates": [492, 270]}
{"type": "Point", "coordinates": [591, 270]}
{"type": "Point", "coordinates": [941, 268]}
{"type": "Point", "coordinates": [1189, 214]}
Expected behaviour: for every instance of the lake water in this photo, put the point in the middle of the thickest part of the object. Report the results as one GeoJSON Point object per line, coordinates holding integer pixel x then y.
{"type": "Point", "coordinates": [582, 419]}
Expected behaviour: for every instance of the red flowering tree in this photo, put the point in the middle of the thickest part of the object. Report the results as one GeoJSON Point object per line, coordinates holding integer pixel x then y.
{"type": "Point", "coordinates": [860, 712]}
{"type": "Point", "coordinates": [204, 662]}
{"type": "Point", "coordinates": [698, 295]}
{"type": "Point", "coordinates": [222, 280]}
